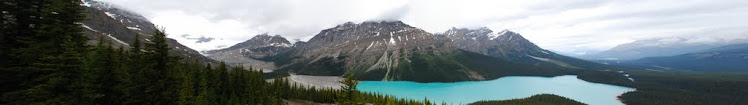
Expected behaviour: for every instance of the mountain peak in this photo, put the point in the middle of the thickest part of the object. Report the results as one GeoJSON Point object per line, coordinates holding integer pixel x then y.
{"type": "Point", "coordinates": [507, 35]}
{"type": "Point", "coordinates": [266, 36]}
{"type": "Point", "coordinates": [262, 40]}
{"type": "Point", "coordinates": [506, 31]}
{"type": "Point", "coordinates": [262, 35]}
{"type": "Point", "coordinates": [371, 23]}
{"type": "Point", "coordinates": [258, 46]}
{"type": "Point", "coordinates": [386, 22]}
{"type": "Point", "coordinates": [476, 34]}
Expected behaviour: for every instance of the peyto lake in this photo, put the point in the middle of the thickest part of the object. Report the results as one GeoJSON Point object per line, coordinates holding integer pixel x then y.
{"type": "Point", "coordinates": [504, 88]}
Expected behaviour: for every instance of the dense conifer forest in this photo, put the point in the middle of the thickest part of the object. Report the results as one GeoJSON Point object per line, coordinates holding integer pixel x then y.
{"type": "Point", "coordinates": [46, 60]}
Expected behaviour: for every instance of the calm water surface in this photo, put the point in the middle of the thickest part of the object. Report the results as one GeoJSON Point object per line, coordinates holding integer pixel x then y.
{"type": "Point", "coordinates": [501, 89]}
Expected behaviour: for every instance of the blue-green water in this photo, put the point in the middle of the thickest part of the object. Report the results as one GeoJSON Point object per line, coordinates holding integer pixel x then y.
{"type": "Point", "coordinates": [501, 89]}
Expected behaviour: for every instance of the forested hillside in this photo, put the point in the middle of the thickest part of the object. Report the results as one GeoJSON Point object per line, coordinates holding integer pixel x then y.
{"type": "Point", "coordinates": [541, 99]}
{"type": "Point", "coordinates": [45, 60]}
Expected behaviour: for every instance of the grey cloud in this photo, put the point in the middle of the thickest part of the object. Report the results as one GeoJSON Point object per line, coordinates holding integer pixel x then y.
{"type": "Point", "coordinates": [393, 14]}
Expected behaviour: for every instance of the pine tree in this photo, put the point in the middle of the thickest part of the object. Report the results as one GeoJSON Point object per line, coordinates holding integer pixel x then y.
{"type": "Point", "coordinates": [136, 70]}
{"type": "Point", "coordinates": [124, 86]}
{"type": "Point", "coordinates": [186, 88]}
{"type": "Point", "coordinates": [161, 72]}
{"type": "Point", "coordinates": [204, 90]}
{"type": "Point", "coordinates": [348, 96]}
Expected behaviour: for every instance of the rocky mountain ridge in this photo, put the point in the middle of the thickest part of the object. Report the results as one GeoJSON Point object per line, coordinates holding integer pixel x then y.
{"type": "Point", "coordinates": [513, 47]}
{"type": "Point", "coordinates": [246, 53]}
{"type": "Point", "coordinates": [120, 27]}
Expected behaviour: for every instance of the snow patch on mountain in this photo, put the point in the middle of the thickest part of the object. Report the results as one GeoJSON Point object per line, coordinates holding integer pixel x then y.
{"type": "Point", "coordinates": [392, 40]}
{"type": "Point", "coordinates": [492, 36]}
{"type": "Point", "coordinates": [89, 28]}
{"type": "Point", "coordinates": [113, 16]}
{"type": "Point", "coordinates": [85, 3]}
{"type": "Point", "coordinates": [133, 28]}
{"type": "Point", "coordinates": [115, 39]}
{"type": "Point", "coordinates": [280, 44]}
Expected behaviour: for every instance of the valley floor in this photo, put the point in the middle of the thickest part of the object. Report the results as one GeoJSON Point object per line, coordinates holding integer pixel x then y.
{"type": "Point", "coordinates": [236, 59]}
{"type": "Point", "coordinates": [316, 81]}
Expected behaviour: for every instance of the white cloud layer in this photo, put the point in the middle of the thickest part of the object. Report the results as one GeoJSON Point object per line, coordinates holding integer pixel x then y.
{"type": "Point", "coordinates": [569, 26]}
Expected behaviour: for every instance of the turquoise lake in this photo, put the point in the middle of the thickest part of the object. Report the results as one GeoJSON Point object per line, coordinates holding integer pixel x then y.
{"type": "Point", "coordinates": [504, 88]}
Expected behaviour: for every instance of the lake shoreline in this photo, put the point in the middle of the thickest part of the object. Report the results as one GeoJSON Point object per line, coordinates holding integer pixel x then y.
{"type": "Point", "coordinates": [505, 88]}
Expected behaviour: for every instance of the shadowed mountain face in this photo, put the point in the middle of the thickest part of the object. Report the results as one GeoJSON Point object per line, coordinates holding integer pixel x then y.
{"type": "Point", "coordinates": [730, 58]}
{"type": "Point", "coordinates": [396, 51]}
{"type": "Point", "coordinates": [120, 27]}
{"type": "Point", "coordinates": [513, 47]}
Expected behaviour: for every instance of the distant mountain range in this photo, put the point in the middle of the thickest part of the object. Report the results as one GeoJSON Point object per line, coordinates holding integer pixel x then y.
{"type": "Point", "coordinates": [649, 48]}
{"type": "Point", "coordinates": [730, 58]}
{"type": "Point", "coordinates": [660, 47]}
{"type": "Point", "coordinates": [393, 50]}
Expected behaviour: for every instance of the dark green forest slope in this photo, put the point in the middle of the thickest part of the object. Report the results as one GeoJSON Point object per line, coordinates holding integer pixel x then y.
{"type": "Point", "coordinates": [540, 99]}
{"type": "Point", "coordinates": [677, 88]}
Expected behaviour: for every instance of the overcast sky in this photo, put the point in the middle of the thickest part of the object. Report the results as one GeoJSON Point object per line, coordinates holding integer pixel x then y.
{"type": "Point", "coordinates": [567, 26]}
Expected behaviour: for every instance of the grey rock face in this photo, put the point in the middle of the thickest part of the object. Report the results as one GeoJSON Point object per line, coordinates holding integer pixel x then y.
{"type": "Point", "coordinates": [366, 47]}
{"type": "Point", "coordinates": [257, 47]}
{"type": "Point", "coordinates": [129, 19]}
{"type": "Point", "coordinates": [119, 27]}
{"type": "Point", "coordinates": [246, 53]}
{"type": "Point", "coordinates": [484, 41]}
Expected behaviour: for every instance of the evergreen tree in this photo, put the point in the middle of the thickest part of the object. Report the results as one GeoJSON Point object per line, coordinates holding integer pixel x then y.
{"type": "Point", "coordinates": [136, 70]}
{"type": "Point", "coordinates": [123, 79]}
{"type": "Point", "coordinates": [45, 45]}
{"type": "Point", "coordinates": [186, 88]}
{"type": "Point", "coordinates": [348, 95]}
{"type": "Point", "coordinates": [162, 89]}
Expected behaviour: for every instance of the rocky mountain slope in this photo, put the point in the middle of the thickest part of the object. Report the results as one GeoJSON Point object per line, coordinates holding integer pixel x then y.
{"type": "Point", "coordinates": [395, 51]}
{"type": "Point", "coordinates": [120, 27]}
{"type": "Point", "coordinates": [513, 47]}
{"type": "Point", "coordinates": [246, 53]}
{"type": "Point", "coordinates": [258, 46]}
